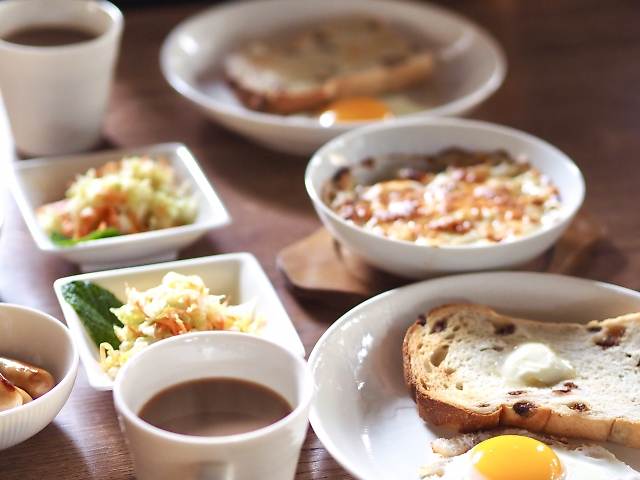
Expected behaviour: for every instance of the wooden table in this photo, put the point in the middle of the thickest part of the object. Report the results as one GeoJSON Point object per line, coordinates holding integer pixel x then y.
{"type": "Point", "coordinates": [573, 80]}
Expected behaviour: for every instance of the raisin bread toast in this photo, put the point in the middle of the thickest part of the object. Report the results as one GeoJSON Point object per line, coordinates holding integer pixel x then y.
{"type": "Point", "coordinates": [450, 367]}
{"type": "Point", "coordinates": [347, 57]}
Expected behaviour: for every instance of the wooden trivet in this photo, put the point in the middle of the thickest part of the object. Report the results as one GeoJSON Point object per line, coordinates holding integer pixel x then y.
{"type": "Point", "coordinates": [319, 267]}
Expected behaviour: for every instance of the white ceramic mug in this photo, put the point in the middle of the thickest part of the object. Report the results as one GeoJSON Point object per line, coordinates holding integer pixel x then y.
{"type": "Point", "coordinates": [56, 96]}
{"type": "Point", "coordinates": [269, 453]}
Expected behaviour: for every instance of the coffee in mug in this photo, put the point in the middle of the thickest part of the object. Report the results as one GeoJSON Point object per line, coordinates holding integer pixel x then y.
{"type": "Point", "coordinates": [47, 36]}
{"type": "Point", "coordinates": [165, 397]}
{"type": "Point", "coordinates": [212, 407]}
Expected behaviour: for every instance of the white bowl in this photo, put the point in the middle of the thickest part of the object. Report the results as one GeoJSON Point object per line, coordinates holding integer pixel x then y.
{"type": "Point", "coordinates": [429, 136]}
{"type": "Point", "coordinates": [363, 413]}
{"type": "Point", "coordinates": [239, 276]}
{"type": "Point", "coordinates": [41, 340]}
{"type": "Point", "coordinates": [471, 65]}
{"type": "Point", "coordinates": [39, 181]}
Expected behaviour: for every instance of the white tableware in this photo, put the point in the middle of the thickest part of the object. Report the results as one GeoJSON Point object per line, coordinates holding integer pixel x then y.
{"type": "Point", "coordinates": [470, 64]}
{"type": "Point", "coordinates": [269, 453]}
{"type": "Point", "coordinates": [39, 181]}
{"type": "Point", "coordinates": [57, 96]}
{"type": "Point", "coordinates": [239, 276]}
{"type": "Point", "coordinates": [34, 337]}
{"type": "Point", "coordinates": [7, 155]}
{"type": "Point", "coordinates": [363, 413]}
{"type": "Point", "coordinates": [429, 136]}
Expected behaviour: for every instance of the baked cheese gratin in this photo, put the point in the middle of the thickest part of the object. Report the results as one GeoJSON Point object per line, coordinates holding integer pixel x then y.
{"type": "Point", "coordinates": [458, 198]}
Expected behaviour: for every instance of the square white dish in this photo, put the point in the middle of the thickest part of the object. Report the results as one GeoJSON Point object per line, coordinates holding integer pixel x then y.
{"type": "Point", "coordinates": [239, 276]}
{"type": "Point", "coordinates": [470, 66]}
{"type": "Point", "coordinates": [43, 180]}
{"type": "Point", "coordinates": [363, 413]}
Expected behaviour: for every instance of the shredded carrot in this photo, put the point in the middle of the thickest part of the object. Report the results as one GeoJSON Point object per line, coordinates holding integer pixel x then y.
{"type": "Point", "coordinates": [170, 323]}
{"type": "Point", "coordinates": [136, 225]}
{"type": "Point", "coordinates": [220, 320]}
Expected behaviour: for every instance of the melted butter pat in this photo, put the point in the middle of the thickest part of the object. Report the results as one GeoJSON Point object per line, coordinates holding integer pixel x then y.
{"type": "Point", "coordinates": [534, 364]}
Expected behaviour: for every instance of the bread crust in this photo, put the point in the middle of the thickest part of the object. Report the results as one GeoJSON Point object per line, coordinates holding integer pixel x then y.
{"type": "Point", "coordinates": [569, 409]}
{"type": "Point", "coordinates": [279, 101]}
{"type": "Point", "coordinates": [241, 69]}
{"type": "Point", "coordinates": [436, 410]}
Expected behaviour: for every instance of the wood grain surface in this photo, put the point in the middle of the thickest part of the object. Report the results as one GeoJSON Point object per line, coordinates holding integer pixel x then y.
{"type": "Point", "coordinates": [573, 80]}
{"type": "Point", "coordinates": [319, 267]}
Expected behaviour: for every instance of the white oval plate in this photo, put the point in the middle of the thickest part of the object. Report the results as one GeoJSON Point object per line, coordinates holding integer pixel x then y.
{"type": "Point", "coordinates": [362, 412]}
{"type": "Point", "coordinates": [470, 63]}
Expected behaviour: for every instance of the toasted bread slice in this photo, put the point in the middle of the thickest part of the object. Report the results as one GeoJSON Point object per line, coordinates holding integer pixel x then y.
{"type": "Point", "coordinates": [450, 367]}
{"type": "Point", "coordinates": [355, 56]}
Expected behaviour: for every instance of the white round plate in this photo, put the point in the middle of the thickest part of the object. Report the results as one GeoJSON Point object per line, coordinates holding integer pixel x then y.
{"type": "Point", "coordinates": [362, 412]}
{"type": "Point", "coordinates": [470, 64]}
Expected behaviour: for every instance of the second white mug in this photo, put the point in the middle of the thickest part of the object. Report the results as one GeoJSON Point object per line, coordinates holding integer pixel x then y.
{"type": "Point", "coordinates": [267, 453]}
{"type": "Point", "coordinates": [56, 96]}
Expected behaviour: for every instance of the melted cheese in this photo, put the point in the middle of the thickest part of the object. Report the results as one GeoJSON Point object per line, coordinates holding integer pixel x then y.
{"type": "Point", "coordinates": [479, 204]}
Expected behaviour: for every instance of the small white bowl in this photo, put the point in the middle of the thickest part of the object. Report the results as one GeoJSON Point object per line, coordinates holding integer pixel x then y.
{"type": "Point", "coordinates": [239, 276]}
{"type": "Point", "coordinates": [43, 341]}
{"type": "Point", "coordinates": [429, 136]}
{"type": "Point", "coordinates": [39, 181]}
{"type": "Point", "coordinates": [471, 65]}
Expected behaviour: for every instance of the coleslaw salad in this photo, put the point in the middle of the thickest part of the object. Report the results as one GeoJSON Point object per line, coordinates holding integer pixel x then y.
{"type": "Point", "coordinates": [135, 194]}
{"type": "Point", "coordinates": [179, 305]}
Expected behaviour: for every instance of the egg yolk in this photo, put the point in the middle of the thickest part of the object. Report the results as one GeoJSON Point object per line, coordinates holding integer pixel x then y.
{"type": "Point", "coordinates": [352, 109]}
{"type": "Point", "coordinates": [512, 456]}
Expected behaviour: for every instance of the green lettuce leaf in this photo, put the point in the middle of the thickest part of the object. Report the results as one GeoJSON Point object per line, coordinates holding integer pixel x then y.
{"type": "Point", "coordinates": [92, 303]}
{"type": "Point", "coordinates": [62, 241]}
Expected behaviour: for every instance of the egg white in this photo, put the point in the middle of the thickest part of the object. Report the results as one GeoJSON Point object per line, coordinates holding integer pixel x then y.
{"type": "Point", "coordinates": [402, 104]}
{"type": "Point", "coordinates": [584, 462]}
{"type": "Point", "coordinates": [398, 103]}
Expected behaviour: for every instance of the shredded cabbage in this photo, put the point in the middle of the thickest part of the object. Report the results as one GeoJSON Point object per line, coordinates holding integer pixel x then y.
{"type": "Point", "coordinates": [181, 304]}
{"type": "Point", "coordinates": [135, 194]}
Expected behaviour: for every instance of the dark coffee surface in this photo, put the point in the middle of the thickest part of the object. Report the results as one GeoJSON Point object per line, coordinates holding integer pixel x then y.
{"type": "Point", "coordinates": [215, 407]}
{"type": "Point", "coordinates": [48, 36]}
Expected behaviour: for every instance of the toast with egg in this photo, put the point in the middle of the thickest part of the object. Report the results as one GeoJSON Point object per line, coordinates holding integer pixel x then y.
{"type": "Point", "coordinates": [467, 367]}
{"type": "Point", "coordinates": [355, 56]}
